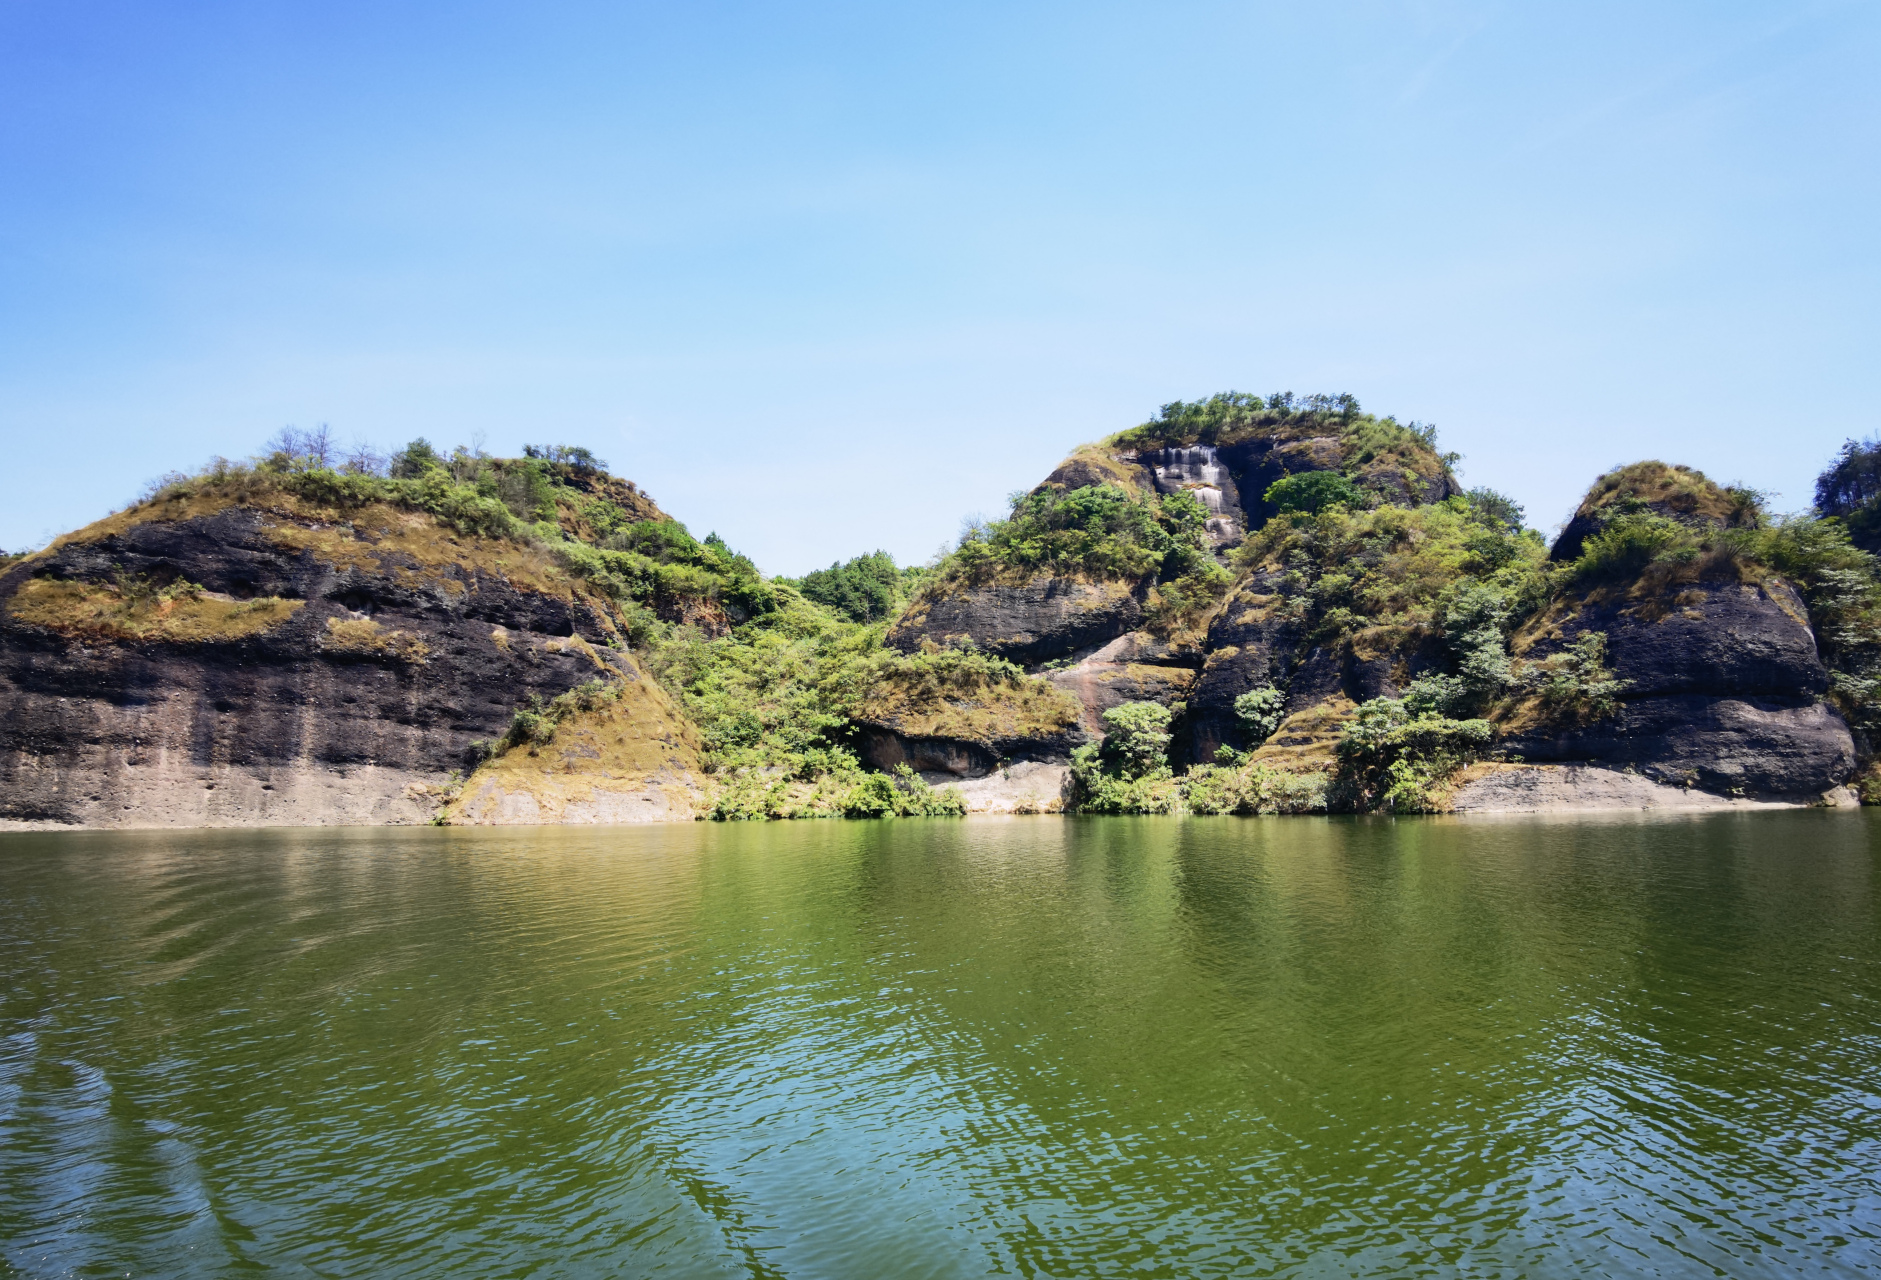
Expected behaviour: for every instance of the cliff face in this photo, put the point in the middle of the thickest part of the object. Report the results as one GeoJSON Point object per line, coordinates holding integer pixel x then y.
{"type": "Point", "coordinates": [1723, 689]}
{"type": "Point", "coordinates": [1721, 684]}
{"type": "Point", "coordinates": [287, 644]}
{"type": "Point", "coordinates": [1103, 637]}
{"type": "Point", "coordinates": [203, 663]}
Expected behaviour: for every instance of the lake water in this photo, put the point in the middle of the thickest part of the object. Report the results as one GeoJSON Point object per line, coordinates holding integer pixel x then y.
{"type": "Point", "coordinates": [1036, 1047]}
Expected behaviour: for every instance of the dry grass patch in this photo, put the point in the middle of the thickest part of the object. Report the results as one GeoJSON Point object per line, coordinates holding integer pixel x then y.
{"type": "Point", "coordinates": [362, 637]}
{"type": "Point", "coordinates": [630, 741]}
{"type": "Point", "coordinates": [1307, 741]}
{"type": "Point", "coordinates": [185, 616]}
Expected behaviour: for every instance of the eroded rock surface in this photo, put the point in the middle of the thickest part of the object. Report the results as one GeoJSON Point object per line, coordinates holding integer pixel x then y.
{"type": "Point", "coordinates": [391, 659]}
{"type": "Point", "coordinates": [1028, 623]}
{"type": "Point", "coordinates": [1542, 788]}
{"type": "Point", "coordinates": [1723, 692]}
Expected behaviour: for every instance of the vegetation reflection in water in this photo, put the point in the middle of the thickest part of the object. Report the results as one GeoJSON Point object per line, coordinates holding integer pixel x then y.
{"type": "Point", "coordinates": [1093, 1047]}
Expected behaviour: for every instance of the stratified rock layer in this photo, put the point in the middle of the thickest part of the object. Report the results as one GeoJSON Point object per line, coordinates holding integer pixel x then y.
{"type": "Point", "coordinates": [1030, 622]}
{"type": "Point", "coordinates": [1723, 690]}
{"type": "Point", "coordinates": [401, 646]}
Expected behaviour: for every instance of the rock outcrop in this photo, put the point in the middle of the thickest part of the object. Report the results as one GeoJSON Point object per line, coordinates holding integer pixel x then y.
{"type": "Point", "coordinates": [1135, 667]}
{"type": "Point", "coordinates": [967, 730]}
{"type": "Point", "coordinates": [1092, 631]}
{"type": "Point", "coordinates": [1723, 689]}
{"type": "Point", "coordinates": [1573, 789]}
{"type": "Point", "coordinates": [202, 663]}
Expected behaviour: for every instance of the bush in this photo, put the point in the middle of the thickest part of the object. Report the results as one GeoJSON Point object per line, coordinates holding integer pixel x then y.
{"type": "Point", "coordinates": [1576, 683]}
{"type": "Point", "coordinates": [1629, 543]}
{"type": "Point", "coordinates": [1252, 789]}
{"type": "Point", "coordinates": [1100, 531]}
{"type": "Point", "coordinates": [905, 794]}
{"type": "Point", "coordinates": [1392, 760]}
{"type": "Point", "coordinates": [1128, 772]}
{"type": "Point", "coordinates": [1260, 712]}
{"type": "Point", "coordinates": [1313, 491]}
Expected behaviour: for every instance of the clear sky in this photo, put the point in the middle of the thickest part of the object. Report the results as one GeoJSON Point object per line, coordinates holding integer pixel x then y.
{"type": "Point", "coordinates": [827, 277]}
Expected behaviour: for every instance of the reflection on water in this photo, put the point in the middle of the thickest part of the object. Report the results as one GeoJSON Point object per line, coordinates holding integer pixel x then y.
{"type": "Point", "coordinates": [1035, 1047]}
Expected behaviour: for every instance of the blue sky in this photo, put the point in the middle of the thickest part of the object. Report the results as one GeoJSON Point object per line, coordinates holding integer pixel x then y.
{"type": "Point", "coordinates": [828, 277]}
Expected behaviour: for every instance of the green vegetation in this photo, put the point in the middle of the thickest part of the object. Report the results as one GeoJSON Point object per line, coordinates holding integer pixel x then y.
{"type": "Point", "coordinates": [866, 589]}
{"type": "Point", "coordinates": [1849, 490]}
{"type": "Point", "coordinates": [1235, 415]}
{"type": "Point", "coordinates": [1129, 772]}
{"type": "Point", "coordinates": [1395, 461]}
{"type": "Point", "coordinates": [1657, 527]}
{"type": "Point", "coordinates": [1454, 602]}
{"type": "Point", "coordinates": [776, 701]}
{"type": "Point", "coordinates": [600, 530]}
{"type": "Point", "coordinates": [1099, 531]}
{"type": "Point", "coordinates": [1261, 711]}
{"type": "Point", "coordinates": [1393, 759]}
{"type": "Point", "coordinates": [1312, 492]}
{"type": "Point", "coordinates": [533, 726]}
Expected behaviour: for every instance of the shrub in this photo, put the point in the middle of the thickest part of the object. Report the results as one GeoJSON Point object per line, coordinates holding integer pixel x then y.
{"type": "Point", "coordinates": [1252, 789]}
{"type": "Point", "coordinates": [1100, 531]}
{"type": "Point", "coordinates": [1313, 491]}
{"type": "Point", "coordinates": [1630, 542]}
{"type": "Point", "coordinates": [1576, 683]}
{"type": "Point", "coordinates": [904, 794]}
{"type": "Point", "coordinates": [1392, 760]}
{"type": "Point", "coordinates": [1260, 712]}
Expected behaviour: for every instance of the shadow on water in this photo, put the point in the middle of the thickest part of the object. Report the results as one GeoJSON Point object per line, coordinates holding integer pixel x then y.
{"type": "Point", "coordinates": [1083, 1047]}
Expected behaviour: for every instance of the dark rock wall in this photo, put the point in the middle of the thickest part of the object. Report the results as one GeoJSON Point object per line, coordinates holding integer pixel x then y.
{"type": "Point", "coordinates": [1030, 623]}
{"type": "Point", "coordinates": [283, 724]}
{"type": "Point", "coordinates": [1724, 685]}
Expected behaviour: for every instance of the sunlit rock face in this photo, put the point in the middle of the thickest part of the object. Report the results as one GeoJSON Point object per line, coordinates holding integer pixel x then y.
{"type": "Point", "coordinates": [1723, 691]}
{"type": "Point", "coordinates": [1032, 622]}
{"type": "Point", "coordinates": [1198, 469]}
{"type": "Point", "coordinates": [324, 674]}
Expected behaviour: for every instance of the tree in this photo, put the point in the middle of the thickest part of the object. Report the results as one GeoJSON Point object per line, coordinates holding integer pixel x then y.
{"type": "Point", "coordinates": [1136, 738]}
{"type": "Point", "coordinates": [1314, 491]}
{"type": "Point", "coordinates": [865, 589]}
{"type": "Point", "coordinates": [415, 459]}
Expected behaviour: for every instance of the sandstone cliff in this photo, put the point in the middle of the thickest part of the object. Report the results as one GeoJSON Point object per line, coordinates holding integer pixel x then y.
{"type": "Point", "coordinates": [242, 655]}
{"type": "Point", "coordinates": [1326, 617]}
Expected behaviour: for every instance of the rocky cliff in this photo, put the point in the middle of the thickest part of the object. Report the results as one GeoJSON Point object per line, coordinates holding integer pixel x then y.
{"type": "Point", "coordinates": [1413, 594]}
{"type": "Point", "coordinates": [251, 658]}
{"type": "Point", "coordinates": [1252, 605]}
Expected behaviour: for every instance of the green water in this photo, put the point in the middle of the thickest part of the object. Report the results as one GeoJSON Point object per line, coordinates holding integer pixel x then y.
{"type": "Point", "coordinates": [1038, 1047]}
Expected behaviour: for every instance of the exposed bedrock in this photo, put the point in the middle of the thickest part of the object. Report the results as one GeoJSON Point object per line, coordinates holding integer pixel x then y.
{"type": "Point", "coordinates": [1254, 643]}
{"type": "Point", "coordinates": [884, 746]}
{"type": "Point", "coordinates": [1724, 692]}
{"type": "Point", "coordinates": [1135, 667]}
{"type": "Point", "coordinates": [1703, 637]}
{"type": "Point", "coordinates": [294, 723]}
{"type": "Point", "coordinates": [1749, 745]}
{"type": "Point", "coordinates": [1032, 622]}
